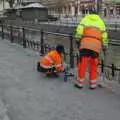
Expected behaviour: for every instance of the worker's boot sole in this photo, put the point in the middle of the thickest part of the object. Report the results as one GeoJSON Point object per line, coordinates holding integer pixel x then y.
{"type": "Point", "coordinates": [92, 87]}
{"type": "Point", "coordinates": [77, 84]}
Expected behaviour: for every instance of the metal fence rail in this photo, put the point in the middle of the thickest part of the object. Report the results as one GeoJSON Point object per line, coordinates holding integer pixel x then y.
{"type": "Point", "coordinates": [23, 36]}
{"type": "Point", "coordinates": [111, 25]}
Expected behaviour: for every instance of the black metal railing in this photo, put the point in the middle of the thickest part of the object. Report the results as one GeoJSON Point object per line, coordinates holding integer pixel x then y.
{"type": "Point", "coordinates": [23, 36]}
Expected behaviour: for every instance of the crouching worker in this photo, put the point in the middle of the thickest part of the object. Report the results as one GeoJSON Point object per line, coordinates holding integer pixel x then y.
{"type": "Point", "coordinates": [51, 64]}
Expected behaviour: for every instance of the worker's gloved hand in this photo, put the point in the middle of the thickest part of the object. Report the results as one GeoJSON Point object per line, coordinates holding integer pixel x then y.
{"type": "Point", "coordinates": [78, 40]}
{"type": "Point", "coordinates": [105, 50]}
{"type": "Point", "coordinates": [78, 44]}
{"type": "Point", "coordinates": [62, 69]}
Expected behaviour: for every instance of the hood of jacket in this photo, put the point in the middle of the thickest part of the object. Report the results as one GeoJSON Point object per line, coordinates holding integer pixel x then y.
{"type": "Point", "coordinates": [93, 17]}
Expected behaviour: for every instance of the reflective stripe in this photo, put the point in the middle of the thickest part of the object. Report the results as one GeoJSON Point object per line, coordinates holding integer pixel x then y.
{"type": "Point", "coordinates": [93, 37]}
{"type": "Point", "coordinates": [92, 44]}
{"type": "Point", "coordinates": [93, 27]}
{"type": "Point", "coordinates": [88, 45]}
{"type": "Point", "coordinates": [93, 81]}
{"type": "Point", "coordinates": [49, 59]}
{"type": "Point", "coordinates": [59, 65]}
{"type": "Point", "coordinates": [46, 66]}
{"type": "Point", "coordinates": [80, 80]}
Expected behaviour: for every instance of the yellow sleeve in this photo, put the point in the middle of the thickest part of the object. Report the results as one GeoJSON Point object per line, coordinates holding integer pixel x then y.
{"type": "Point", "coordinates": [80, 29]}
{"type": "Point", "coordinates": [105, 39]}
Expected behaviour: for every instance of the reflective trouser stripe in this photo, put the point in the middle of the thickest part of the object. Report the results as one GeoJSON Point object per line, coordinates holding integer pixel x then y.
{"type": "Point", "coordinates": [59, 65]}
{"type": "Point", "coordinates": [80, 81]}
{"type": "Point", "coordinates": [93, 81]}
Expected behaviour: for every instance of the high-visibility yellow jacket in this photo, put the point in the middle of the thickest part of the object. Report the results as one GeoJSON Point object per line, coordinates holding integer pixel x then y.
{"type": "Point", "coordinates": [92, 20]}
{"type": "Point", "coordinates": [52, 59]}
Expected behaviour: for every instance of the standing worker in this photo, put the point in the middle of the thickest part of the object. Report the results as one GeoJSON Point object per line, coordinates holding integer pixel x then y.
{"type": "Point", "coordinates": [52, 62]}
{"type": "Point", "coordinates": [92, 36]}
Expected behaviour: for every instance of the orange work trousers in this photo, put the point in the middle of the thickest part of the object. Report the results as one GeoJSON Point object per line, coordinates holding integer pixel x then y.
{"type": "Point", "coordinates": [82, 66]}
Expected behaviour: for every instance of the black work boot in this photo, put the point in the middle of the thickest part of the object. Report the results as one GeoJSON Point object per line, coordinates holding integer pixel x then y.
{"type": "Point", "coordinates": [38, 66]}
{"type": "Point", "coordinates": [52, 74]}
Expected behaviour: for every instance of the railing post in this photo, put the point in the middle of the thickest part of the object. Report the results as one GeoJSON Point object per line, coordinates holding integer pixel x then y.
{"type": "Point", "coordinates": [2, 31]}
{"type": "Point", "coordinates": [71, 52]}
{"type": "Point", "coordinates": [64, 55]}
{"type": "Point", "coordinates": [113, 70]}
{"type": "Point", "coordinates": [11, 34]}
{"type": "Point", "coordinates": [115, 26]}
{"type": "Point", "coordinates": [42, 42]}
{"type": "Point", "coordinates": [78, 57]}
{"type": "Point", "coordinates": [24, 40]}
{"type": "Point", "coordinates": [102, 66]}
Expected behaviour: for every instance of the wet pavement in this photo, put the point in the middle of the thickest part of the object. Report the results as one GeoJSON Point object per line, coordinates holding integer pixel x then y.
{"type": "Point", "coordinates": [29, 95]}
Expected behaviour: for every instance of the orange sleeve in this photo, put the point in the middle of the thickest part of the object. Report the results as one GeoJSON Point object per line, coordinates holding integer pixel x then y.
{"type": "Point", "coordinates": [57, 61]}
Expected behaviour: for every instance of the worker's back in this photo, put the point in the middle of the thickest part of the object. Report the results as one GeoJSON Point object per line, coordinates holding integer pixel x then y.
{"type": "Point", "coordinates": [52, 58]}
